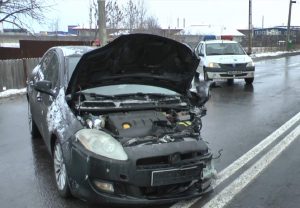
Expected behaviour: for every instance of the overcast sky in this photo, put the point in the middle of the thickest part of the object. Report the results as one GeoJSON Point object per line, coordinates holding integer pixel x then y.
{"type": "Point", "coordinates": [230, 13]}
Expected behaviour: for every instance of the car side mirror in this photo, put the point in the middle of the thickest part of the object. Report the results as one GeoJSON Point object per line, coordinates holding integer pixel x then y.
{"type": "Point", "coordinates": [249, 53]}
{"type": "Point", "coordinates": [44, 86]}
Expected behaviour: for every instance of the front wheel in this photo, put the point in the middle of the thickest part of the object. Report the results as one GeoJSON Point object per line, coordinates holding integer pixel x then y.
{"type": "Point", "coordinates": [230, 81]}
{"type": "Point", "coordinates": [249, 81]}
{"type": "Point", "coordinates": [60, 171]}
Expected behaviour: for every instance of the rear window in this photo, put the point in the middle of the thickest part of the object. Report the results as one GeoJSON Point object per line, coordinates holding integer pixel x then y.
{"type": "Point", "coordinates": [224, 49]}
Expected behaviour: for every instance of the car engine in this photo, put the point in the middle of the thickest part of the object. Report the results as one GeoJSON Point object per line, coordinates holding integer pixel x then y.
{"type": "Point", "coordinates": [140, 127]}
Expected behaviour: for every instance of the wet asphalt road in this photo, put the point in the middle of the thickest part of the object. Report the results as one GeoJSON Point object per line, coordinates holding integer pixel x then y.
{"type": "Point", "coordinates": [238, 118]}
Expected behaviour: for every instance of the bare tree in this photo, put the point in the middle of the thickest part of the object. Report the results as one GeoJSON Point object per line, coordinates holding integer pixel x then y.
{"type": "Point", "coordinates": [114, 15]}
{"type": "Point", "coordinates": [141, 14]}
{"type": "Point", "coordinates": [152, 25]}
{"type": "Point", "coordinates": [131, 14]}
{"type": "Point", "coordinates": [93, 14]}
{"type": "Point", "coordinates": [16, 12]}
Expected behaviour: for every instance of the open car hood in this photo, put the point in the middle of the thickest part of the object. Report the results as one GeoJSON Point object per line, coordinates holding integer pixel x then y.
{"type": "Point", "coordinates": [136, 59]}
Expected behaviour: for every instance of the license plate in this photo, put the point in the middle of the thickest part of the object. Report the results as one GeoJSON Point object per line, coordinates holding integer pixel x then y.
{"type": "Point", "coordinates": [233, 72]}
{"type": "Point", "coordinates": [171, 176]}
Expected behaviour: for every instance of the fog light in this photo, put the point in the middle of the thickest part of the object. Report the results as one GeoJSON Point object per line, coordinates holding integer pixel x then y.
{"type": "Point", "coordinates": [104, 186]}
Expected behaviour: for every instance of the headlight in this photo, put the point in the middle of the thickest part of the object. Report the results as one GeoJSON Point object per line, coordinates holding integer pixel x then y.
{"type": "Point", "coordinates": [213, 65]}
{"type": "Point", "coordinates": [101, 143]}
{"type": "Point", "coordinates": [250, 64]}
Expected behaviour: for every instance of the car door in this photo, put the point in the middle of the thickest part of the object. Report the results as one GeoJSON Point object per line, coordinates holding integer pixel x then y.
{"type": "Point", "coordinates": [50, 73]}
{"type": "Point", "coordinates": [35, 97]}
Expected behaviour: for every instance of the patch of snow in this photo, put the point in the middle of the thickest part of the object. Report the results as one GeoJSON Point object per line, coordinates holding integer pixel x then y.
{"type": "Point", "coordinates": [10, 45]}
{"type": "Point", "coordinates": [11, 92]}
{"type": "Point", "coordinates": [60, 117]}
{"type": "Point", "coordinates": [75, 50]}
{"type": "Point", "coordinates": [56, 114]}
{"type": "Point", "coordinates": [120, 32]}
{"type": "Point", "coordinates": [272, 54]}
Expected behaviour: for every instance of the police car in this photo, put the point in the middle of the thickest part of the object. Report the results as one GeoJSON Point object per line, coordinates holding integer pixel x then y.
{"type": "Point", "coordinates": [224, 60]}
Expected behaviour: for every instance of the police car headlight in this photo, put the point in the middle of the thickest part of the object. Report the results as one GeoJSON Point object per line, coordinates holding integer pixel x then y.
{"type": "Point", "coordinates": [250, 64]}
{"type": "Point", "coordinates": [213, 65]}
{"type": "Point", "coordinates": [101, 144]}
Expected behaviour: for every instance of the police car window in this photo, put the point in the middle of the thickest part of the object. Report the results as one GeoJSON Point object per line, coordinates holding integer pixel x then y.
{"type": "Point", "coordinates": [224, 49]}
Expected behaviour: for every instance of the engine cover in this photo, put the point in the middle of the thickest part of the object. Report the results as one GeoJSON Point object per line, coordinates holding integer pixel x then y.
{"type": "Point", "coordinates": [135, 123]}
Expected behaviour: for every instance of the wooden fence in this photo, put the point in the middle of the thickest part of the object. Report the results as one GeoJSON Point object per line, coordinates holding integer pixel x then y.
{"type": "Point", "coordinates": [13, 73]}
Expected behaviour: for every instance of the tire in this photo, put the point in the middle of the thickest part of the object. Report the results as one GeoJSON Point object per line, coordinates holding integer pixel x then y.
{"type": "Point", "coordinates": [230, 81]}
{"type": "Point", "coordinates": [249, 81]}
{"type": "Point", "coordinates": [33, 129]}
{"type": "Point", "coordinates": [60, 172]}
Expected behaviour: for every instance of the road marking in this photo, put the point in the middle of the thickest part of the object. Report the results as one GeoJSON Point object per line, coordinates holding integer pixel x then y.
{"type": "Point", "coordinates": [244, 159]}
{"type": "Point", "coordinates": [227, 194]}
{"type": "Point", "coordinates": [239, 163]}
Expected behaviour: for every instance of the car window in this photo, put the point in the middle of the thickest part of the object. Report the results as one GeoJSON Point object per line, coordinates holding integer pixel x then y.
{"type": "Point", "coordinates": [44, 64]}
{"type": "Point", "coordinates": [50, 68]}
{"type": "Point", "coordinates": [224, 49]}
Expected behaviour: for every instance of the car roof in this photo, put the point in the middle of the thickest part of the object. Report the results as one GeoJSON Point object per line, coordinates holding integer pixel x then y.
{"type": "Point", "coordinates": [74, 50]}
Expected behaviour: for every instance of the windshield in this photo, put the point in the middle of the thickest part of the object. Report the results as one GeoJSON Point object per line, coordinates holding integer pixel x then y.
{"type": "Point", "coordinates": [224, 49]}
{"type": "Point", "coordinates": [112, 90]}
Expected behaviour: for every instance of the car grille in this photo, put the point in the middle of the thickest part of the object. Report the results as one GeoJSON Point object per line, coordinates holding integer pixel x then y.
{"type": "Point", "coordinates": [236, 75]}
{"type": "Point", "coordinates": [233, 66]}
{"type": "Point", "coordinates": [167, 160]}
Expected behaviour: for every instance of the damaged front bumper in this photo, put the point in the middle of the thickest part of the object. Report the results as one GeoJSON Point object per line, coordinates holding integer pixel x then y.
{"type": "Point", "coordinates": [153, 174]}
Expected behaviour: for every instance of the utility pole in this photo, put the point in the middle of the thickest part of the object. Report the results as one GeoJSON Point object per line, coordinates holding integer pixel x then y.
{"type": "Point", "coordinates": [102, 22]}
{"type": "Point", "coordinates": [288, 33]}
{"type": "Point", "coordinates": [250, 28]}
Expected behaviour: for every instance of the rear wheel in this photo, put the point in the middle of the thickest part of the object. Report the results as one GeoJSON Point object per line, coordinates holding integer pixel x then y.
{"type": "Point", "coordinates": [60, 171]}
{"type": "Point", "coordinates": [32, 126]}
{"type": "Point", "coordinates": [249, 81]}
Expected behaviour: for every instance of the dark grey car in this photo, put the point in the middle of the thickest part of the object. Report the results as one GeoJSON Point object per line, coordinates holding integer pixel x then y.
{"type": "Point", "coordinates": [121, 122]}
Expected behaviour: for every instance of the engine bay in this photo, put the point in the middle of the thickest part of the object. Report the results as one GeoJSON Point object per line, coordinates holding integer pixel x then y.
{"type": "Point", "coordinates": [141, 120]}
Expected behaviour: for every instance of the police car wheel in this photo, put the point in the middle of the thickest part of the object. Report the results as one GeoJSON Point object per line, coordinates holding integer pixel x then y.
{"type": "Point", "coordinates": [249, 81]}
{"type": "Point", "coordinates": [230, 81]}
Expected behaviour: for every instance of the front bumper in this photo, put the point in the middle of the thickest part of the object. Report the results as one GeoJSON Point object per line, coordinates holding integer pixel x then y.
{"type": "Point", "coordinates": [133, 179]}
{"type": "Point", "coordinates": [230, 72]}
